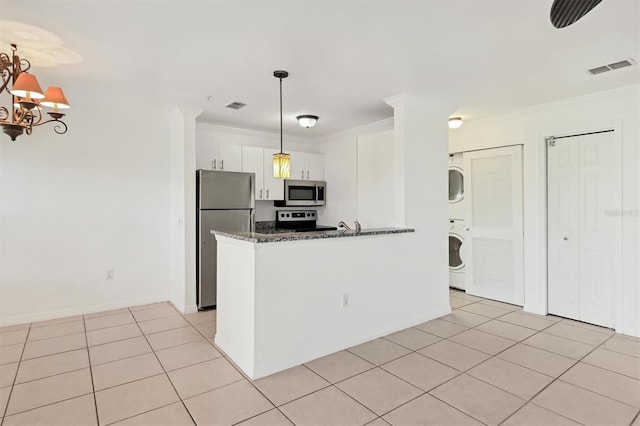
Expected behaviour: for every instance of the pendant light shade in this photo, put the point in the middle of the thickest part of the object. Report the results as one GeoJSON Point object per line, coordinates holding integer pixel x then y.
{"type": "Point", "coordinates": [281, 165]}
{"type": "Point", "coordinates": [281, 160]}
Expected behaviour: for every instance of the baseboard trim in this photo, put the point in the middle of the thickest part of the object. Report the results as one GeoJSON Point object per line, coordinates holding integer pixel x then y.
{"type": "Point", "coordinates": [82, 310]}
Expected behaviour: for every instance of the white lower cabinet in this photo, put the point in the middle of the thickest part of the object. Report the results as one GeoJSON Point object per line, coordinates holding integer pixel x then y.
{"type": "Point", "coordinates": [260, 161]}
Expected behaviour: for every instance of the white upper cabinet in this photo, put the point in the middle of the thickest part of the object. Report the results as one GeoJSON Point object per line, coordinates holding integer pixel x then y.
{"type": "Point", "coordinates": [307, 166]}
{"type": "Point", "coordinates": [260, 161]}
{"type": "Point", "coordinates": [219, 156]}
{"type": "Point", "coordinates": [252, 162]}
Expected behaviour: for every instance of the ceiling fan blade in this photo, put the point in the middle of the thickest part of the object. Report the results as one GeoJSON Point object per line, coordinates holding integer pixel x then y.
{"type": "Point", "coordinates": [566, 12]}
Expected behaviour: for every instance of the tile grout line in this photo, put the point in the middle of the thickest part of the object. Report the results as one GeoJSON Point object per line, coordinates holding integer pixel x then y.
{"type": "Point", "coordinates": [163, 369]}
{"type": "Point", "coordinates": [93, 386]}
{"type": "Point", "coordinates": [555, 379]}
{"type": "Point", "coordinates": [15, 376]}
{"type": "Point", "coordinates": [224, 355]}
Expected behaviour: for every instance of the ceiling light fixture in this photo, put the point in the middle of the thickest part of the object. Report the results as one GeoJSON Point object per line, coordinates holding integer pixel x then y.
{"type": "Point", "coordinates": [26, 97]}
{"type": "Point", "coordinates": [455, 122]}
{"type": "Point", "coordinates": [307, 120]}
{"type": "Point", "coordinates": [281, 161]}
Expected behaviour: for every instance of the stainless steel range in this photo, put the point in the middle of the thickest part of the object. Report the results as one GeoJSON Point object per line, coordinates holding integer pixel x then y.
{"type": "Point", "coordinates": [300, 221]}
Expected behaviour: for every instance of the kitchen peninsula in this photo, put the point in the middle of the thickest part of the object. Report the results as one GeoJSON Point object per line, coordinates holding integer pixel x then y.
{"type": "Point", "coordinates": [286, 299]}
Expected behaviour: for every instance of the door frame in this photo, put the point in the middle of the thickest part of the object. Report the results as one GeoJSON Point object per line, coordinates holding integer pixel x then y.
{"type": "Point", "coordinates": [544, 249]}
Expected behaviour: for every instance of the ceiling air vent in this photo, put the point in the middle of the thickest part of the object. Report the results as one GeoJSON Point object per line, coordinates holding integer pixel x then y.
{"type": "Point", "coordinates": [236, 105]}
{"type": "Point", "coordinates": [614, 66]}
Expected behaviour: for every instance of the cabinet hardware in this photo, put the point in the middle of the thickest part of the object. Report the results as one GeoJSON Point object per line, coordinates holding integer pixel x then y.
{"type": "Point", "coordinates": [307, 174]}
{"type": "Point", "coordinates": [566, 238]}
{"type": "Point", "coordinates": [213, 164]}
{"type": "Point", "coordinates": [260, 194]}
{"type": "Point", "coordinates": [221, 164]}
{"type": "Point", "coordinates": [267, 194]}
{"type": "Point", "coordinates": [302, 175]}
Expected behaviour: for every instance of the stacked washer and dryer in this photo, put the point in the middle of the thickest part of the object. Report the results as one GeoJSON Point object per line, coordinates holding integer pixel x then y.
{"type": "Point", "coordinates": [456, 221]}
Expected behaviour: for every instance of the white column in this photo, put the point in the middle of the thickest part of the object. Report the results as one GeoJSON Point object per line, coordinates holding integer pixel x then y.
{"type": "Point", "coordinates": [421, 139]}
{"type": "Point", "coordinates": [183, 222]}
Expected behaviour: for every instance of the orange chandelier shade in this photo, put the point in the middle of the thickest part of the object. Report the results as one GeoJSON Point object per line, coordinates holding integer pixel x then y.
{"type": "Point", "coordinates": [55, 98]}
{"type": "Point", "coordinates": [27, 86]}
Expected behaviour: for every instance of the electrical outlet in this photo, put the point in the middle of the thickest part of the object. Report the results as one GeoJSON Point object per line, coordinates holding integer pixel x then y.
{"type": "Point", "coordinates": [345, 300]}
{"type": "Point", "coordinates": [109, 274]}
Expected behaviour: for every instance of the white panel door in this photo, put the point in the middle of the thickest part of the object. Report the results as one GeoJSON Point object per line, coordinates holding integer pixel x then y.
{"type": "Point", "coordinates": [494, 253]}
{"type": "Point", "coordinates": [252, 162]}
{"type": "Point", "coordinates": [564, 228]}
{"type": "Point", "coordinates": [584, 227]}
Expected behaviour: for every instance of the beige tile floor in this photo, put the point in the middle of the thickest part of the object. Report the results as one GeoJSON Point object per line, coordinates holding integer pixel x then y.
{"type": "Point", "coordinates": [486, 363]}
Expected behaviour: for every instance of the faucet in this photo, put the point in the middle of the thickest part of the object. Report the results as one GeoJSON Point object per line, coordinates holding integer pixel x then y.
{"type": "Point", "coordinates": [341, 224]}
{"type": "Point", "coordinates": [345, 227]}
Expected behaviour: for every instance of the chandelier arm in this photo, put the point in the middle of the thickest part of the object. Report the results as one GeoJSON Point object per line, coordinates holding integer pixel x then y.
{"type": "Point", "coordinates": [4, 113]}
{"type": "Point", "coordinates": [60, 128]}
{"type": "Point", "coordinates": [25, 65]}
{"type": "Point", "coordinates": [6, 74]}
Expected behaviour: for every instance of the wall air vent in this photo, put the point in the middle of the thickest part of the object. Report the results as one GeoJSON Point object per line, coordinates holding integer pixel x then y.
{"type": "Point", "coordinates": [614, 66]}
{"type": "Point", "coordinates": [236, 105]}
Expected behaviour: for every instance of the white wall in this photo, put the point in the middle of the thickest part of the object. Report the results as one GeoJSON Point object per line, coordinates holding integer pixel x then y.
{"type": "Point", "coordinates": [341, 172]}
{"type": "Point", "coordinates": [617, 109]}
{"type": "Point", "coordinates": [73, 206]}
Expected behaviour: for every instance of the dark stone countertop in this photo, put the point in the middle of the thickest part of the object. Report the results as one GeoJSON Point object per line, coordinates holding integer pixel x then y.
{"type": "Point", "coordinates": [257, 237]}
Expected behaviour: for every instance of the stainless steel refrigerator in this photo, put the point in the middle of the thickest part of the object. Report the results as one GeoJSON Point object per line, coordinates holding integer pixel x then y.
{"type": "Point", "coordinates": [225, 202]}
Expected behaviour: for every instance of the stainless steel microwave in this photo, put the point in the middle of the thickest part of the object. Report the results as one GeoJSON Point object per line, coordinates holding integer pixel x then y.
{"type": "Point", "coordinates": [304, 193]}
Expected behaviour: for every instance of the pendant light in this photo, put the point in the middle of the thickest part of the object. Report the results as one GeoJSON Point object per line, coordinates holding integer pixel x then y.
{"type": "Point", "coordinates": [281, 161]}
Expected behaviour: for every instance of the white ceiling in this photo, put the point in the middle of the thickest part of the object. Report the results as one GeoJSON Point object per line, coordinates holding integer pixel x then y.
{"type": "Point", "coordinates": [344, 57]}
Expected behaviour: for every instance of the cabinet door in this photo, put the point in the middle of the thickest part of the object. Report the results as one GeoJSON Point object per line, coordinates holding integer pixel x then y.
{"type": "Point", "coordinates": [273, 187]}
{"type": "Point", "coordinates": [298, 170]}
{"type": "Point", "coordinates": [314, 165]}
{"type": "Point", "coordinates": [252, 162]}
{"type": "Point", "coordinates": [207, 155]}
{"type": "Point", "coordinates": [230, 158]}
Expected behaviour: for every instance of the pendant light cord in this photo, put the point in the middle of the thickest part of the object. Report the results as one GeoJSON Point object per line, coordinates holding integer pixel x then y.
{"type": "Point", "coordinates": [281, 115]}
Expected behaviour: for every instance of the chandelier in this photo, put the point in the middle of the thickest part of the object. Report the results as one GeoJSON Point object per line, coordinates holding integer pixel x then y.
{"type": "Point", "coordinates": [27, 98]}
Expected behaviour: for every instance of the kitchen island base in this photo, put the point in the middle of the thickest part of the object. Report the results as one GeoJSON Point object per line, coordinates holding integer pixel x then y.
{"type": "Point", "coordinates": [287, 303]}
